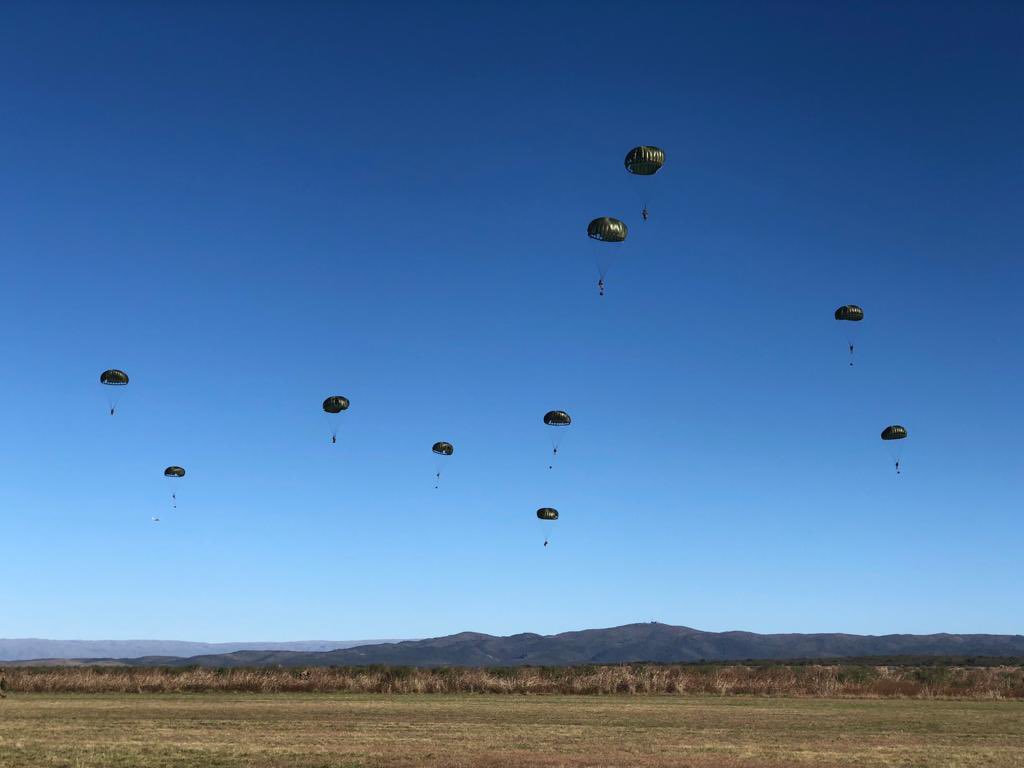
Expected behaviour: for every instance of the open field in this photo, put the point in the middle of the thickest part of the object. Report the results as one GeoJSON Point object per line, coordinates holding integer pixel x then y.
{"type": "Point", "coordinates": [499, 731]}
{"type": "Point", "coordinates": [813, 679]}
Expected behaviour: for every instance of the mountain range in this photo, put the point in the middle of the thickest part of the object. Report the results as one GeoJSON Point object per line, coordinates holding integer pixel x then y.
{"type": "Point", "coordinates": [630, 643]}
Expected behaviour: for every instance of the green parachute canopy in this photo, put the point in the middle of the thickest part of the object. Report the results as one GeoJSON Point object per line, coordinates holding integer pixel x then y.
{"type": "Point", "coordinates": [336, 404]}
{"type": "Point", "coordinates": [607, 229]}
{"type": "Point", "coordinates": [547, 513]}
{"type": "Point", "coordinates": [443, 449]}
{"type": "Point", "coordinates": [114, 378]}
{"type": "Point", "coordinates": [644, 161]}
{"type": "Point", "coordinates": [557, 419]}
{"type": "Point", "coordinates": [850, 312]}
{"type": "Point", "coordinates": [894, 432]}
{"type": "Point", "coordinates": [174, 472]}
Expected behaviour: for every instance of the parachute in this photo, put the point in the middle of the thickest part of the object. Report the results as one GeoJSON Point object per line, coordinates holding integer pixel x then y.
{"type": "Point", "coordinates": [334, 405]}
{"type": "Point", "coordinates": [113, 378]}
{"type": "Point", "coordinates": [442, 450]}
{"type": "Point", "coordinates": [642, 163]}
{"type": "Point", "coordinates": [547, 514]}
{"type": "Point", "coordinates": [895, 432]}
{"type": "Point", "coordinates": [556, 419]}
{"type": "Point", "coordinates": [174, 473]}
{"type": "Point", "coordinates": [606, 230]}
{"type": "Point", "coordinates": [852, 314]}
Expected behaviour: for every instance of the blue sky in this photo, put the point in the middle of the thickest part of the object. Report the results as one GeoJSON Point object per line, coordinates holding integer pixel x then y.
{"type": "Point", "coordinates": [251, 207]}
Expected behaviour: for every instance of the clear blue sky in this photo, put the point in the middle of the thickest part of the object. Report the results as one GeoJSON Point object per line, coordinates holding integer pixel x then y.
{"type": "Point", "coordinates": [251, 206]}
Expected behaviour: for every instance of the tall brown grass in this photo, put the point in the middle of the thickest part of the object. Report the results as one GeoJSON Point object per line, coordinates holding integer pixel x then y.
{"type": "Point", "coordinates": [826, 680]}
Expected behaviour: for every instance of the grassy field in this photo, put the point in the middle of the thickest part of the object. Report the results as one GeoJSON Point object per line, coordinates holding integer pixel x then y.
{"type": "Point", "coordinates": [350, 730]}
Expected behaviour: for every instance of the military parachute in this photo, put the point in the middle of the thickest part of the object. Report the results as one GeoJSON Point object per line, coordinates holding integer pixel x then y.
{"type": "Point", "coordinates": [608, 233]}
{"type": "Point", "coordinates": [891, 434]}
{"type": "Point", "coordinates": [557, 419]}
{"type": "Point", "coordinates": [851, 314]}
{"type": "Point", "coordinates": [334, 405]}
{"type": "Point", "coordinates": [113, 378]}
{"type": "Point", "coordinates": [442, 450]}
{"type": "Point", "coordinates": [547, 515]}
{"type": "Point", "coordinates": [641, 164]}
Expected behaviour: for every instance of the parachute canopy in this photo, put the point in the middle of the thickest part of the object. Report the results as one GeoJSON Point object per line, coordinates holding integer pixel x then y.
{"type": "Point", "coordinates": [114, 378]}
{"type": "Point", "coordinates": [894, 432]}
{"type": "Point", "coordinates": [644, 161]}
{"type": "Point", "coordinates": [557, 419]}
{"type": "Point", "coordinates": [607, 229]}
{"type": "Point", "coordinates": [336, 404]}
{"type": "Point", "coordinates": [547, 513]}
{"type": "Point", "coordinates": [443, 449]}
{"type": "Point", "coordinates": [850, 312]}
{"type": "Point", "coordinates": [174, 472]}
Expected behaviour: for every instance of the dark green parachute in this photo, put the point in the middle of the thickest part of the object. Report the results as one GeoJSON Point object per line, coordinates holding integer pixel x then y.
{"type": "Point", "coordinates": [894, 432]}
{"type": "Point", "coordinates": [336, 404]}
{"type": "Point", "coordinates": [547, 513]}
{"type": "Point", "coordinates": [557, 419]}
{"type": "Point", "coordinates": [114, 378]}
{"type": "Point", "coordinates": [443, 449]}
{"type": "Point", "coordinates": [607, 230]}
{"type": "Point", "coordinates": [850, 312]}
{"type": "Point", "coordinates": [174, 472]}
{"type": "Point", "coordinates": [644, 161]}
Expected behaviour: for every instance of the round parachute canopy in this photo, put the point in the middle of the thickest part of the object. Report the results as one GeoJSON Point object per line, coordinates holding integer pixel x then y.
{"type": "Point", "coordinates": [174, 472]}
{"type": "Point", "coordinates": [336, 404]}
{"type": "Point", "coordinates": [895, 432]}
{"type": "Point", "coordinates": [850, 312]}
{"type": "Point", "coordinates": [547, 513]}
{"type": "Point", "coordinates": [607, 229]}
{"type": "Point", "coordinates": [645, 161]}
{"type": "Point", "coordinates": [114, 378]}
{"type": "Point", "coordinates": [557, 419]}
{"type": "Point", "coordinates": [443, 449]}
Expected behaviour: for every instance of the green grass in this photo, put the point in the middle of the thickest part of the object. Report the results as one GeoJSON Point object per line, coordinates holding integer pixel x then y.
{"type": "Point", "coordinates": [450, 731]}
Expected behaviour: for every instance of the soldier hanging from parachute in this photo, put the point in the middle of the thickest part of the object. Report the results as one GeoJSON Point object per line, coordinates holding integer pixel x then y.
{"type": "Point", "coordinates": [644, 161]}
{"type": "Point", "coordinates": [853, 314]}
{"type": "Point", "coordinates": [441, 450]}
{"type": "Point", "coordinates": [611, 232]}
{"type": "Point", "coordinates": [547, 514]}
{"type": "Point", "coordinates": [174, 473]}
{"type": "Point", "coordinates": [557, 419]}
{"type": "Point", "coordinates": [334, 405]}
{"type": "Point", "coordinates": [114, 378]}
{"type": "Point", "coordinates": [895, 432]}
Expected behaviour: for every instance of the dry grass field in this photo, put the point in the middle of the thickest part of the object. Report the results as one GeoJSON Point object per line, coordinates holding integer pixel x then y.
{"type": "Point", "coordinates": [285, 730]}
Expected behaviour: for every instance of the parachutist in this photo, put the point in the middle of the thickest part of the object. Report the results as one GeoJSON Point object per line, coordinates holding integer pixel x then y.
{"type": "Point", "coordinates": [545, 543]}
{"type": "Point", "coordinates": [334, 439]}
{"type": "Point", "coordinates": [600, 286]}
{"type": "Point", "coordinates": [111, 411]}
{"type": "Point", "coordinates": [897, 467]}
{"type": "Point", "coordinates": [645, 214]}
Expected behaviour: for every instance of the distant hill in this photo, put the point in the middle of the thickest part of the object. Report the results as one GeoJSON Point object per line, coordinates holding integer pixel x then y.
{"type": "Point", "coordinates": [632, 642]}
{"type": "Point", "coordinates": [33, 648]}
